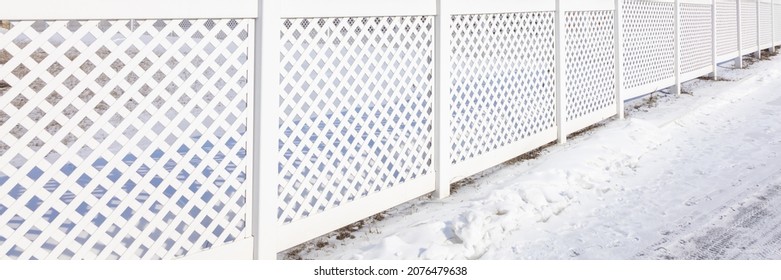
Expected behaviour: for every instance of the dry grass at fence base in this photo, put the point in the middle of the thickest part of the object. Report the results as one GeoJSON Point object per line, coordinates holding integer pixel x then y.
{"type": "Point", "coordinates": [651, 102]}
{"type": "Point", "coordinates": [749, 60]}
{"type": "Point", "coordinates": [586, 130]}
{"type": "Point", "coordinates": [707, 78]}
{"type": "Point", "coordinates": [766, 55]}
{"type": "Point", "coordinates": [470, 181]}
{"type": "Point", "coordinates": [457, 186]}
{"type": "Point", "coordinates": [294, 254]}
{"type": "Point", "coordinates": [347, 232]}
{"type": "Point", "coordinates": [530, 155]}
{"type": "Point", "coordinates": [710, 78]}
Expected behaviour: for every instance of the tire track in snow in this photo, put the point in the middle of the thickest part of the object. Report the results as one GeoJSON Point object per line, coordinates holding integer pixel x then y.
{"type": "Point", "coordinates": [747, 229]}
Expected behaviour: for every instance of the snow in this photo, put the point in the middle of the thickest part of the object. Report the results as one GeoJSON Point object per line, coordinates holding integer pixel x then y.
{"type": "Point", "coordinates": [683, 177]}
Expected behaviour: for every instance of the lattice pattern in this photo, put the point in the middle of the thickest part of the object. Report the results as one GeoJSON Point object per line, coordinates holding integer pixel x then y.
{"type": "Point", "coordinates": [765, 24]}
{"type": "Point", "coordinates": [122, 139]}
{"type": "Point", "coordinates": [357, 107]}
{"type": "Point", "coordinates": [696, 35]}
{"type": "Point", "coordinates": [649, 44]}
{"type": "Point", "coordinates": [726, 27]}
{"type": "Point", "coordinates": [748, 18]}
{"type": "Point", "coordinates": [503, 80]}
{"type": "Point", "coordinates": [590, 53]}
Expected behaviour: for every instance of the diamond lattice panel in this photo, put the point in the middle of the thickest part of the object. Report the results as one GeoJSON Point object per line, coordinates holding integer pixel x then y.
{"type": "Point", "coordinates": [503, 80]}
{"type": "Point", "coordinates": [765, 24]}
{"type": "Point", "coordinates": [696, 35]}
{"type": "Point", "coordinates": [649, 52]}
{"type": "Point", "coordinates": [748, 25]}
{"type": "Point", "coordinates": [122, 139]}
{"type": "Point", "coordinates": [356, 109]}
{"type": "Point", "coordinates": [726, 27]}
{"type": "Point", "coordinates": [590, 53]}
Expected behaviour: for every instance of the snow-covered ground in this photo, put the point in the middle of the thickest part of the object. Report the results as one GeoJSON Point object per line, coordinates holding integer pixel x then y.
{"type": "Point", "coordinates": [683, 177]}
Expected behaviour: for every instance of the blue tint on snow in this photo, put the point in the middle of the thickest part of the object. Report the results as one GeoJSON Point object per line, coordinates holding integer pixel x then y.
{"type": "Point", "coordinates": [83, 208]}
{"type": "Point", "coordinates": [207, 147]}
{"type": "Point", "coordinates": [83, 180]}
{"type": "Point", "coordinates": [99, 164]}
{"type": "Point", "coordinates": [129, 186]}
{"type": "Point", "coordinates": [114, 175]}
{"type": "Point", "coordinates": [68, 168]}
{"type": "Point", "coordinates": [183, 150]}
{"type": "Point", "coordinates": [169, 192]}
{"type": "Point", "coordinates": [33, 203]}
{"type": "Point", "coordinates": [157, 154]}
{"type": "Point", "coordinates": [35, 173]}
{"type": "Point", "coordinates": [51, 185]}
{"type": "Point", "coordinates": [17, 191]}
{"type": "Point", "coordinates": [129, 159]}
{"type": "Point", "coordinates": [156, 181]}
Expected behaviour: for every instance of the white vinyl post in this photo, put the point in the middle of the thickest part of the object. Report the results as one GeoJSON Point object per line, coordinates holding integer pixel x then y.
{"type": "Point", "coordinates": [253, 134]}
{"type": "Point", "coordinates": [772, 48]}
{"type": "Point", "coordinates": [267, 123]}
{"type": "Point", "coordinates": [739, 59]}
{"type": "Point", "coordinates": [442, 102]}
{"type": "Point", "coordinates": [677, 88]}
{"type": "Point", "coordinates": [773, 26]}
{"type": "Point", "coordinates": [759, 30]}
{"type": "Point", "coordinates": [619, 37]}
{"type": "Point", "coordinates": [714, 34]}
{"type": "Point", "coordinates": [561, 93]}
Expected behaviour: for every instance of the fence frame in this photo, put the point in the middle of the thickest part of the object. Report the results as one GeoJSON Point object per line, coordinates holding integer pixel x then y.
{"type": "Point", "coordinates": [74, 10]}
{"type": "Point", "coordinates": [448, 173]}
{"type": "Point", "coordinates": [274, 236]}
{"type": "Point", "coordinates": [264, 235]}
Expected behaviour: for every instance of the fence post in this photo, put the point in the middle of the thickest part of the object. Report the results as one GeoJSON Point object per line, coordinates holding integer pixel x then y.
{"type": "Point", "coordinates": [773, 26]}
{"type": "Point", "coordinates": [266, 115]}
{"type": "Point", "coordinates": [759, 30]}
{"type": "Point", "coordinates": [619, 37]}
{"type": "Point", "coordinates": [442, 102]}
{"type": "Point", "coordinates": [677, 88]}
{"type": "Point", "coordinates": [561, 93]}
{"type": "Point", "coordinates": [714, 53]}
{"type": "Point", "coordinates": [739, 59]}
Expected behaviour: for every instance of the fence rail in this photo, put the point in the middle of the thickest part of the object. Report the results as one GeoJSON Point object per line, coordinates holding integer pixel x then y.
{"type": "Point", "coordinates": [238, 129]}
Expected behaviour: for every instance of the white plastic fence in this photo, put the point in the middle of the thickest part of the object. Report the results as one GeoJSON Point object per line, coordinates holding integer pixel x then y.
{"type": "Point", "coordinates": [240, 129]}
{"type": "Point", "coordinates": [353, 112]}
{"type": "Point", "coordinates": [124, 138]}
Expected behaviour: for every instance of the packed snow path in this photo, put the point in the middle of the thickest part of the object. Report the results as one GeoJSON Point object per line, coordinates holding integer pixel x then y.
{"type": "Point", "coordinates": [696, 176]}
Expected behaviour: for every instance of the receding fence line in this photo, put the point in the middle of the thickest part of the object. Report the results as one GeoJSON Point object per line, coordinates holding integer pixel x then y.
{"type": "Point", "coordinates": [240, 129]}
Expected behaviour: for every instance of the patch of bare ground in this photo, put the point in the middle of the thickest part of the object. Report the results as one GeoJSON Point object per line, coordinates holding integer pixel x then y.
{"type": "Point", "coordinates": [586, 130]}
{"type": "Point", "coordinates": [647, 103]}
{"type": "Point", "coordinates": [749, 60]}
{"type": "Point", "coordinates": [457, 186]}
{"type": "Point", "coordinates": [766, 55]}
{"type": "Point", "coordinates": [710, 78]}
{"type": "Point", "coordinates": [530, 155]}
{"type": "Point", "coordinates": [347, 232]}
